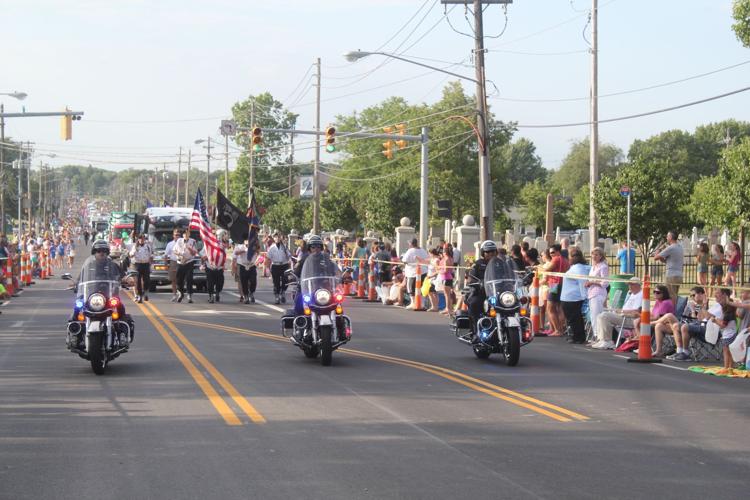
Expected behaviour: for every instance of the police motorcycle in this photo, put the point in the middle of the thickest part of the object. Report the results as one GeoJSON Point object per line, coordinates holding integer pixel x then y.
{"type": "Point", "coordinates": [99, 329]}
{"type": "Point", "coordinates": [504, 325]}
{"type": "Point", "coordinates": [317, 324]}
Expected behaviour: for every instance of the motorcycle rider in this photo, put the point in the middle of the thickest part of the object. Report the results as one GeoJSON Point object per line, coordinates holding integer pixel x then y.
{"type": "Point", "coordinates": [477, 296]}
{"type": "Point", "coordinates": [105, 266]}
{"type": "Point", "coordinates": [314, 247]}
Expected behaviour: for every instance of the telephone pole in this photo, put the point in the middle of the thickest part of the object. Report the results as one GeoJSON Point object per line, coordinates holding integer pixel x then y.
{"type": "Point", "coordinates": [250, 157]}
{"type": "Point", "coordinates": [187, 178]}
{"type": "Point", "coordinates": [28, 182]}
{"type": "Point", "coordinates": [164, 184]}
{"type": "Point", "coordinates": [179, 169]}
{"type": "Point", "coordinates": [226, 165]}
{"type": "Point", "coordinates": [594, 140]}
{"type": "Point", "coordinates": [316, 167]}
{"type": "Point", "coordinates": [208, 166]}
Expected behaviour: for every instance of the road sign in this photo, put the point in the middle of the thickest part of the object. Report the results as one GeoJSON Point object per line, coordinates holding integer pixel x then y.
{"type": "Point", "coordinates": [228, 127]}
{"type": "Point", "coordinates": [624, 191]}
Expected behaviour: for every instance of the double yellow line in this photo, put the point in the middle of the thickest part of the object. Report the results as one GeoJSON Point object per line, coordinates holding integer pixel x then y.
{"type": "Point", "coordinates": [542, 407]}
{"type": "Point", "coordinates": [225, 410]}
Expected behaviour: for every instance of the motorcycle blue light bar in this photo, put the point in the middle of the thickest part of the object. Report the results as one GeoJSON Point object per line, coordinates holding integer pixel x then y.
{"type": "Point", "coordinates": [79, 304]}
{"type": "Point", "coordinates": [307, 299]}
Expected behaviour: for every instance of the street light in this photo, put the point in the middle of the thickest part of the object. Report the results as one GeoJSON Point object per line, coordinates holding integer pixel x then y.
{"type": "Point", "coordinates": [208, 160]}
{"type": "Point", "coordinates": [485, 188]}
{"type": "Point", "coordinates": [20, 96]}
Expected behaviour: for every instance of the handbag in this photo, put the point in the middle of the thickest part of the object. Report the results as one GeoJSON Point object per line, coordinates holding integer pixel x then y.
{"type": "Point", "coordinates": [739, 346]}
{"type": "Point", "coordinates": [426, 287]}
{"type": "Point", "coordinates": [712, 332]}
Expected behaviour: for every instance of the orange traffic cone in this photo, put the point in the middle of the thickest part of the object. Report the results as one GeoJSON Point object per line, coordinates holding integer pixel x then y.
{"type": "Point", "coordinates": [644, 340]}
{"type": "Point", "coordinates": [372, 295]}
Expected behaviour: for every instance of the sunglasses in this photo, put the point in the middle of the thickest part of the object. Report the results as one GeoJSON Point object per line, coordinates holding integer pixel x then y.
{"type": "Point", "coordinates": [101, 250]}
{"type": "Point", "coordinates": [657, 292]}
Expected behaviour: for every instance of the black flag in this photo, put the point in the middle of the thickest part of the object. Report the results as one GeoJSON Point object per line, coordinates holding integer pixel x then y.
{"type": "Point", "coordinates": [231, 218]}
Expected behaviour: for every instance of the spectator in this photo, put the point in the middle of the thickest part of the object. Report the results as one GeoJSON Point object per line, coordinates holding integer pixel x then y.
{"type": "Point", "coordinates": [557, 264]}
{"type": "Point", "coordinates": [432, 273]}
{"type": "Point", "coordinates": [565, 248]}
{"type": "Point", "coordinates": [728, 326]}
{"type": "Point", "coordinates": [360, 256]}
{"type": "Point", "coordinates": [597, 290]}
{"type": "Point", "coordinates": [413, 257]}
{"type": "Point", "coordinates": [626, 258]}
{"type": "Point", "coordinates": [398, 288]}
{"type": "Point", "coordinates": [663, 307]}
{"type": "Point", "coordinates": [515, 255]}
{"type": "Point", "coordinates": [674, 258]}
{"type": "Point", "coordinates": [696, 326]}
{"type": "Point", "coordinates": [532, 257]}
{"type": "Point", "coordinates": [701, 263]}
{"type": "Point", "coordinates": [608, 320]}
{"type": "Point", "coordinates": [734, 256]}
{"type": "Point", "coordinates": [446, 275]}
{"type": "Point", "coordinates": [670, 322]}
{"type": "Point", "coordinates": [573, 294]}
{"type": "Point", "coordinates": [718, 260]}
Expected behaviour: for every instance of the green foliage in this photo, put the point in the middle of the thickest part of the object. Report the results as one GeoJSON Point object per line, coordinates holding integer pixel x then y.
{"type": "Point", "coordinates": [533, 200]}
{"type": "Point", "coordinates": [514, 164]}
{"type": "Point", "coordinates": [656, 206]}
{"type": "Point", "coordinates": [337, 210]}
{"type": "Point", "coordinates": [678, 151]}
{"type": "Point", "coordinates": [741, 15]}
{"type": "Point", "coordinates": [579, 210]}
{"type": "Point", "coordinates": [708, 205]}
{"type": "Point", "coordinates": [285, 213]}
{"type": "Point", "coordinates": [574, 172]}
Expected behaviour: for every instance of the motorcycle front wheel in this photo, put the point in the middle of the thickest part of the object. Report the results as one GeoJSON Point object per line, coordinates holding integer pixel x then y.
{"type": "Point", "coordinates": [512, 349]}
{"type": "Point", "coordinates": [310, 352]}
{"type": "Point", "coordinates": [326, 350]}
{"type": "Point", "coordinates": [97, 356]}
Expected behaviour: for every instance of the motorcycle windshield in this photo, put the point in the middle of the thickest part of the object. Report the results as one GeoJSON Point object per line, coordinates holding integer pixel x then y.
{"type": "Point", "coordinates": [99, 277]}
{"type": "Point", "coordinates": [318, 272]}
{"type": "Point", "coordinates": [500, 276]}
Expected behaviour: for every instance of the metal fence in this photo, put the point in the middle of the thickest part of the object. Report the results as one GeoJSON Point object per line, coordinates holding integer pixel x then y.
{"type": "Point", "coordinates": [656, 270]}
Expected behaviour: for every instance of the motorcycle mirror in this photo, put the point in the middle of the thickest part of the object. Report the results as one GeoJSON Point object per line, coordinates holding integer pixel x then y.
{"type": "Point", "coordinates": [66, 276]}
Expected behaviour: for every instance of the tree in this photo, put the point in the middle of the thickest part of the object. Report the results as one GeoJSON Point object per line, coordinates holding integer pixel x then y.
{"type": "Point", "coordinates": [657, 204]}
{"type": "Point", "coordinates": [337, 210]}
{"type": "Point", "coordinates": [515, 164]}
{"type": "Point", "coordinates": [579, 210]}
{"type": "Point", "coordinates": [708, 204]}
{"type": "Point", "coordinates": [533, 200]}
{"type": "Point", "coordinates": [677, 151]}
{"type": "Point", "coordinates": [287, 213]}
{"type": "Point", "coordinates": [574, 172]}
{"type": "Point", "coordinates": [741, 15]}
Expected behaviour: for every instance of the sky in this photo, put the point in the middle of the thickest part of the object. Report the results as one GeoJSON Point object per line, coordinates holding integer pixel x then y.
{"type": "Point", "coordinates": [153, 76]}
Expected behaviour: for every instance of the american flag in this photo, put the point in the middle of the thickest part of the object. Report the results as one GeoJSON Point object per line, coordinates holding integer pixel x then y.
{"type": "Point", "coordinates": [214, 252]}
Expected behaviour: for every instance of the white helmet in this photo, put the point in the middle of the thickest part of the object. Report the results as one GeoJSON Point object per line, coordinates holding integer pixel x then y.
{"type": "Point", "coordinates": [488, 246]}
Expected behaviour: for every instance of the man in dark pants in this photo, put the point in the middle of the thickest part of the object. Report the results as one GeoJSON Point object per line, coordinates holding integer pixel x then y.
{"type": "Point", "coordinates": [185, 252]}
{"type": "Point", "coordinates": [279, 256]}
{"type": "Point", "coordinates": [475, 300]}
{"type": "Point", "coordinates": [142, 255]}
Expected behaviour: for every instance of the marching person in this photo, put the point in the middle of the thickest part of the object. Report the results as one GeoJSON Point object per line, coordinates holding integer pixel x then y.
{"type": "Point", "coordinates": [172, 263]}
{"type": "Point", "coordinates": [185, 252]}
{"type": "Point", "coordinates": [143, 256]}
{"type": "Point", "coordinates": [248, 272]}
{"type": "Point", "coordinates": [279, 255]}
{"type": "Point", "coordinates": [215, 269]}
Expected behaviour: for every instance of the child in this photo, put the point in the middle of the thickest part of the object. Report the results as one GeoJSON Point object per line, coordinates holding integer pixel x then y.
{"type": "Point", "coordinates": [717, 266]}
{"type": "Point", "coordinates": [728, 326]}
{"type": "Point", "coordinates": [733, 264]}
{"type": "Point", "coordinates": [701, 260]}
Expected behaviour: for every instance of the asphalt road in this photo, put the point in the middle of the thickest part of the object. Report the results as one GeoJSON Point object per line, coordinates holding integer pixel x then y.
{"type": "Point", "coordinates": [211, 402]}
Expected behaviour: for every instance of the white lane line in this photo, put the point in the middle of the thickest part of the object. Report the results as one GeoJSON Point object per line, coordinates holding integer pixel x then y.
{"type": "Point", "coordinates": [672, 367]}
{"type": "Point", "coordinates": [621, 356]}
{"type": "Point", "coordinates": [262, 302]}
{"type": "Point", "coordinates": [214, 311]}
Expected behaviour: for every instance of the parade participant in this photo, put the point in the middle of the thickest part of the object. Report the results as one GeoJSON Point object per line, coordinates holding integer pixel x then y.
{"type": "Point", "coordinates": [476, 297]}
{"type": "Point", "coordinates": [185, 252]}
{"type": "Point", "coordinates": [215, 268]}
{"type": "Point", "coordinates": [172, 262]}
{"type": "Point", "coordinates": [143, 256]}
{"type": "Point", "coordinates": [279, 255]}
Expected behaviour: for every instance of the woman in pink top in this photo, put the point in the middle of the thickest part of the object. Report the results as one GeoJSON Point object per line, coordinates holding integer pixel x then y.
{"type": "Point", "coordinates": [663, 305]}
{"type": "Point", "coordinates": [446, 275]}
{"type": "Point", "coordinates": [597, 290]}
{"type": "Point", "coordinates": [733, 264]}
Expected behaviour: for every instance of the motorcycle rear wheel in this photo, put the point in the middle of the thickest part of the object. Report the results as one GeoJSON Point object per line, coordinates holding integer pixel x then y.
{"type": "Point", "coordinates": [326, 350]}
{"type": "Point", "coordinates": [97, 356]}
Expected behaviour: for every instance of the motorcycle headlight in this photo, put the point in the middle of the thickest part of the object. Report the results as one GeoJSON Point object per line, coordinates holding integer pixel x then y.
{"type": "Point", "coordinates": [507, 299]}
{"type": "Point", "coordinates": [323, 297]}
{"type": "Point", "coordinates": [97, 302]}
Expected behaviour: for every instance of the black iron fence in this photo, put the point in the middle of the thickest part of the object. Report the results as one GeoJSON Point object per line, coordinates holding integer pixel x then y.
{"type": "Point", "coordinates": [657, 270]}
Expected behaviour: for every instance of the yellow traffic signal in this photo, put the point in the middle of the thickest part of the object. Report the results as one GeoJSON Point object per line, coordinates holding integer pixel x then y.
{"type": "Point", "coordinates": [66, 127]}
{"type": "Point", "coordinates": [331, 139]}
{"type": "Point", "coordinates": [388, 149]}
{"type": "Point", "coordinates": [401, 127]}
{"type": "Point", "coordinates": [257, 138]}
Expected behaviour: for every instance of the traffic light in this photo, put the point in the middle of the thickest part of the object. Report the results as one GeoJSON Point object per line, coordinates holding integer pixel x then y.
{"type": "Point", "coordinates": [331, 139]}
{"type": "Point", "coordinates": [444, 208]}
{"type": "Point", "coordinates": [401, 127]}
{"type": "Point", "coordinates": [388, 145]}
{"type": "Point", "coordinates": [66, 127]}
{"type": "Point", "coordinates": [257, 138]}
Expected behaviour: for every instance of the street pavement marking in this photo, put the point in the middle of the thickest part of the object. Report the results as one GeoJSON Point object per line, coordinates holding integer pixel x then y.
{"type": "Point", "coordinates": [516, 398]}
{"type": "Point", "coordinates": [238, 398]}
{"type": "Point", "coordinates": [227, 311]}
{"type": "Point", "coordinates": [230, 417]}
{"type": "Point", "coordinates": [262, 302]}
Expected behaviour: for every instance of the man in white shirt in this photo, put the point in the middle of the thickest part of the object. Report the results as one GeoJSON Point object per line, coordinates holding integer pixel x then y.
{"type": "Point", "coordinates": [414, 256]}
{"type": "Point", "coordinates": [142, 255]}
{"type": "Point", "coordinates": [247, 271]}
{"type": "Point", "coordinates": [697, 328]}
{"type": "Point", "coordinates": [608, 320]}
{"type": "Point", "coordinates": [185, 251]}
{"type": "Point", "coordinates": [172, 262]}
{"type": "Point", "coordinates": [279, 256]}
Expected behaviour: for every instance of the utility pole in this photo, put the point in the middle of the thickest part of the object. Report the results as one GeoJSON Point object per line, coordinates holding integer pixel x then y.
{"type": "Point", "coordinates": [28, 182]}
{"type": "Point", "coordinates": [2, 168]}
{"type": "Point", "coordinates": [316, 167]}
{"type": "Point", "coordinates": [424, 174]}
{"type": "Point", "coordinates": [187, 179]}
{"type": "Point", "coordinates": [594, 139]}
{"type": "Point", "coordinates": [208, 165]}
{"type": "Point", "coordinates": [250, 158]}
{"type": "Point", "coordinates": [291, 156]}
{"type": "Point", "coordinates": [226, 165]}
{"type": "Point", "coordinates": [39, 201]}
{"type": "Point", "coordinates": [18, 164]}
{"type": "Point", "coordinates": [179, 168]}
{"type": "Point", "coordinates": [164, 184]}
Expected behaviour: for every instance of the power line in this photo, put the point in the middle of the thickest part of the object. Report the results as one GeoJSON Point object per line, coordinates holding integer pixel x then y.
{"type": "Point", "coordinates": [639, 115]}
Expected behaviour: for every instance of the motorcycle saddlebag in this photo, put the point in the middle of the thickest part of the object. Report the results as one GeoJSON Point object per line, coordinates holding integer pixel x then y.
{"type": "Point", "coordinates": [462, 321]}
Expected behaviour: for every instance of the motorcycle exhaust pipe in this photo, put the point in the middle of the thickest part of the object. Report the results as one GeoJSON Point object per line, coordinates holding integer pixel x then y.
{"type": "Point", "coordinates": [74, 328]}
